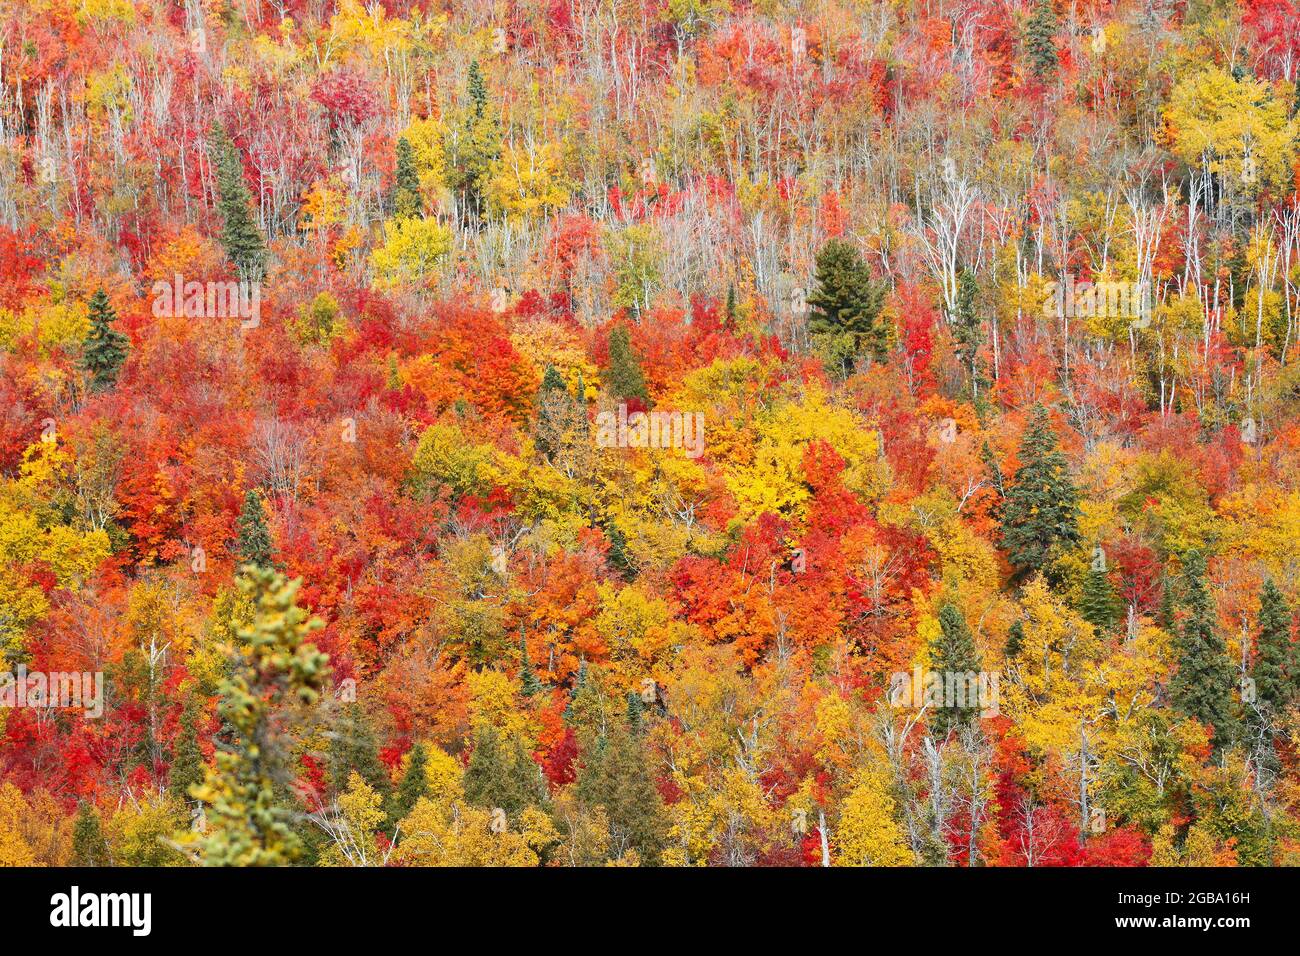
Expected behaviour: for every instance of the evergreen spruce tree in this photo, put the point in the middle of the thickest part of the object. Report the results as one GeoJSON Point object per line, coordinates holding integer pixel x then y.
{"type": "Point", "coordinates": [105, 348]}
{"type": "Point", "coordinates": [473, 146]}
{"type": "Point", "coordinates": [353, 747]}
{"type": "Point", "coordinates": [1015, 640]}
{"type": "Point", "coordinates": [406, 183]}
{"type": "Point", "coordinates": [729, 315]}
{"type": "Point", "coordinates": [1202, 687]}
{"type": "Point", "coordinates": [275, 675]}
{"type": "Point", "coordinates": [635, 711]}
{"type": "Point", "coordinates": [1098, 603]}
{"type": "Point", "coordinates": [413, 786]}
{"type": "Point", "coordinates": [187, 768]}
{"type": "Point", "coordinates": [579, 682]}
{"type": "Point", "coordinates": [967, 330]}
{"type": "Point", "coordinates": [1040, 40]}
{"type": "Point", "coordinates": [243, 243]}
{"type": "Point", "coordinates": [529, 683]}
{"type": "Point", "coordinates": [503, 777]}
{"type": "Point", "coordinates": [953, 656]}
{"type": "Point", "coordinates": [615, 774]}
{"type": "Point", "coordinates": [625, 378]}
{"type": "Point", "coordinates": [1040, 514]}
{"type": "Point", "coordinates": [846, 305]}
{"type": "Point", "coordinates": [89, 848]}
{"type": "Point", "coordinates": [1276, 672]}
{"type": "Point", "coordinates": [254, 541]}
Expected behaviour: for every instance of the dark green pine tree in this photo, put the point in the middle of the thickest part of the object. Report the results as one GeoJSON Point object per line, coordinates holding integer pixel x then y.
{"type": "Point", "coordinates": [1097, 602]}
{"type": "Point", "coordinates": [1040, 40]}
{"type": "Point", "coordinates": [846, 305]}
{"type": "Point", "coordinates": [1276, 670]}
{"type": "Point", "coordinates": [352, 747]}
{"type": "Point", "coordinates": [967, 329]}
{"type": "Point", "coordinates": [406, 182]}
{"type": "Point", "coordinates": [1015, 640]}
{"type": "Point", "coordinates": [413, 786]}
{"type": "Point", "coordinates": [254, 542]}
{"type": "Point", "coordinates": [1202, 688]}
{"type": "Point", "coordinates": [1040, 516]}
{"type": "Point", "coordinates": [187, 758]}
{"type": "Point", "coordinates": [243, 243]}
{"type": "Point", "coordinates": [528, 681]}
{"type": "Point", "coordinates": [954, 656]}
{"type": "Point", "coordinates": [615, 774]}
{"type": "Point", "coordinates": [503, 777]}
{"type": "Point", "coordinates": [89, 848]}
{"type": "Point", "coordinates": [729, 315]}
{"type": "Point", "coordinates": [473, 146]}
{"type": "Point", "coordinates": [635, 711]}
{"type": "Point", "coordinates": [104, 351]}
{"type": "Point", "coordinates": [625, 379]}
{"type": "Point", "coordinates": [579, 682]}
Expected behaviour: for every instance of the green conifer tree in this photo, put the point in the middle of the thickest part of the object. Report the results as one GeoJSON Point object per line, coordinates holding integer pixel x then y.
{"type": "Point", "coordinates": [846, 306]}
{"type": "Point", "coordinates": [1040, 40]}
{"type": "Point", "coordinates": [89, 848]}
{"type": "Point", "coordinates": [104, 352]}
{"type": "Point", "coordinates": [1202, 687]}
{"type": "Point", "coordinates": [967, 330]}
{"type": "Point", "coordinates": [1040, 515]}
{"type": "Point", "coordinates": [254, 542]}
{"type": "Point", "coordinates": [502, 776]}
{"type": "Point", "coordinates": [353, 747]}
{"type": "Point", "coordinates": [243, 243]}
{"type": "Point", "coordinates": [1098, 603]}
{"type": "Point", "coordinates": [187, 768]}
{"type": "Point", "coordinates": [406, 182]}
{"type": "Point", "coordinates": [625, 379]}
{"type": "Point", "coordinates": [1015, 640]}
{"type": "Point", "coordinates": [414, 785]}
{"type": "Point", "coordinates": [1276, 670]}
{"type": "Point", "coordinates": [954, 656]}
{"type": "Point", "coordinates": [275, 674]}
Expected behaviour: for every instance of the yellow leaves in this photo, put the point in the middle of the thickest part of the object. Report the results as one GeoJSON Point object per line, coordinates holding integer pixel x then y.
{"type": "Point", "coordinates": [544, 342]}
{"type": "Point", "coordinates": [411, 251]}
{"type": "Point", "coordinates": [1262, 522]}
{"type": "Point", "coordinates": [772, 481]}
{"type": "Point", "coordinates": [638, 627]}
{"type": "Point", "coordinates": [123, 11]}
{"type": "Point", "coordinates": [868, 834]}
{"type": "Point", "coordinates": [54, 326]}
{"type": "Point", "coordinates": [443, 773]}
{"type": "Point", "coordinates": [323, 205]}
{"type": "Point", "coordinates": [492, 704]}
{"type": "Point", "coordinates": [360, 814]}
{"type": "Point", "coordinates": [527, 182]}
{"type": "Point", "coordinates": [14, 848]}
{"type": "Point", "coordinates": [446, 458]}
{"type": "Point", "coordinates": [1233, 128]}
{"type": "Point", "coordinates": [453, 834]}
{"type": "Point", "coordinates": [425, 137]}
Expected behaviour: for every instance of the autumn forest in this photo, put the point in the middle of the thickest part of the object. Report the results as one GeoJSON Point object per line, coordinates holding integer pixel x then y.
{"type": "Point", "coordinates": [649, 433]}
